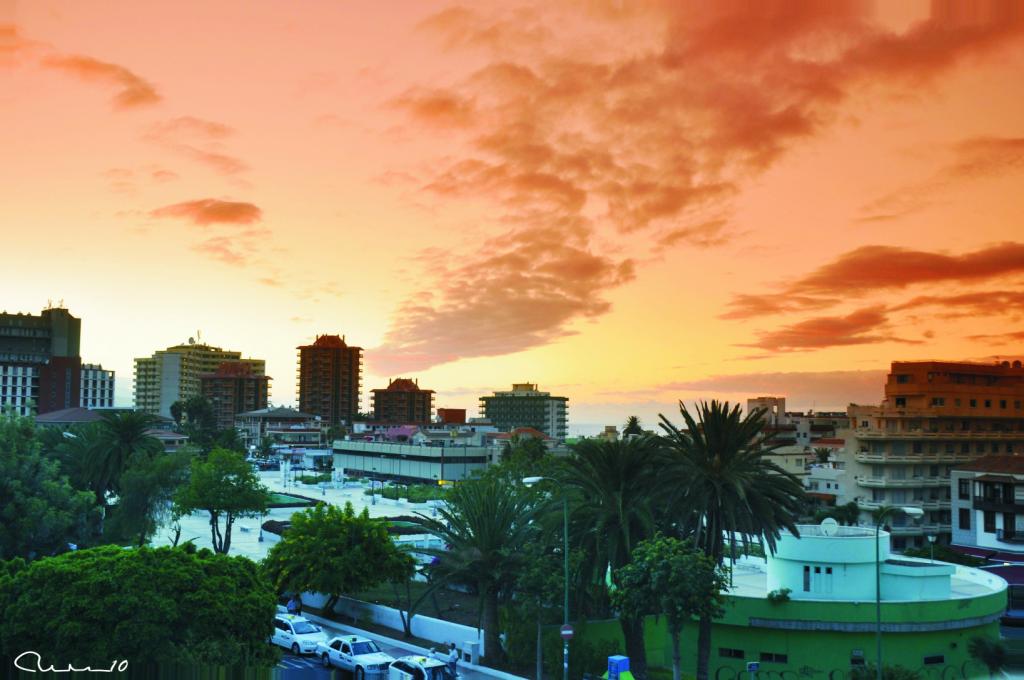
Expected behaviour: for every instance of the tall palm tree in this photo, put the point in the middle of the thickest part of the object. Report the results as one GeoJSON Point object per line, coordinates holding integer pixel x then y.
{"type": "Point", "coordinates": [123, 434]}
{"type": "Point", "coordinates": [610, 483]}
{"type": "Point", "coordinates": [716, 472]}
{"type": "Point", "coordinates": [483, 525]}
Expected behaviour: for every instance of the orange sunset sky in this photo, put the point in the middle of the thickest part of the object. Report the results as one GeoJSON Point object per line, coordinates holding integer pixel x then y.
{"type": "Point", "coordinates": [630, 202]}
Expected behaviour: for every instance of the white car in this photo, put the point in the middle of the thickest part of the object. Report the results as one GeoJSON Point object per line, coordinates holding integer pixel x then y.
{"type": "Point", "coordinates": [357, 655]}
{"type": "Point", "coordinates": [419, 668]}
{"type": "Point", "coordinates": [297, 634]}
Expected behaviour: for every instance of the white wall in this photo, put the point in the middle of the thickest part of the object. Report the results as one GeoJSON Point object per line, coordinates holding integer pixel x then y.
{"type": "Point", "coordinates": [435, 630]}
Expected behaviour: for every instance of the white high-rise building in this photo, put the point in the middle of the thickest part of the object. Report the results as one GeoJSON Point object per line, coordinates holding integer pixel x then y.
{"type": "Point", "coordinates": [97, 389]}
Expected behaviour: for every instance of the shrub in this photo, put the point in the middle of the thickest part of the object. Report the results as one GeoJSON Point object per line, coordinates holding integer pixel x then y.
{"type": "Point", "coordinates": [779, 596]}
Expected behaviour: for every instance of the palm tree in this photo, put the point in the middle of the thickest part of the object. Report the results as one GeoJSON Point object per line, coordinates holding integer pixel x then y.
{"type": "Point", "coordinates": [632, 426]}
{"type": "Point", "coordinates": [123, 434]}
{"type": "Point", "coordinates": [610, 484]}
{"type": "Point", "coordinates": [715, 472]}
{"type": "Point", "coordinates": [483, 525]}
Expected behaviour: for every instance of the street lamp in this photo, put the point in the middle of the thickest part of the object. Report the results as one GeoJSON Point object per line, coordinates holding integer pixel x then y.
{"type": "Point", "coordinates": [883, 513]}
{"type": "Point", "coordinates": [931, 541]}
{"type": "Point", "coordinates": [530, 481]}
{"type": "Point", "coordinates": [373, 497]}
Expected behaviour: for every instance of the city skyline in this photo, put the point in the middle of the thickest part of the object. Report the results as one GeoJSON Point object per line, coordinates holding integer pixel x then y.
{"type": "Point", "coordinates": [628, 203]}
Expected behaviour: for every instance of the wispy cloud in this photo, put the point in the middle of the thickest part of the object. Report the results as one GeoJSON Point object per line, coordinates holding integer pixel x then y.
{"type": "Point", "coordinates": [207, 211]}
{"type": "Point", "coordinates": [134, 91]}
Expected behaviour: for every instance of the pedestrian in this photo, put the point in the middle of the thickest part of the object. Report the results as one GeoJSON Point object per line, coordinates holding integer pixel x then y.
{"type": "Point", "coordinates": [453, 660]}
{"type": "Point", "coordinates": [298, 603]}
{"type": "Point", "coordinates": [293, 606]}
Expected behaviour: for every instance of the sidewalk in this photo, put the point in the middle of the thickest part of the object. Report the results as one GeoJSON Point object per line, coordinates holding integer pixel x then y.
{"type": "Point", "coordinates": [467, 670]}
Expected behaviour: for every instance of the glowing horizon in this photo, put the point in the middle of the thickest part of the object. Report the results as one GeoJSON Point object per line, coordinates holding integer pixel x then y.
{"type": "Point", "coordinates": [626, 203]}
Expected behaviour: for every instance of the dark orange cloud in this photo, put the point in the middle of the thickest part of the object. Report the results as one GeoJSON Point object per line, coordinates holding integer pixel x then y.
{"type": "Point", "coordinates": [872, 268]}
{"type": "Point", "coordinates": [437, 107]}
{"type": "Point", "coordinates": [520, 292]}
{"type": "Point", "coordinates": [746, 305]}
{"type": "Point", "coordinates": [865, 326]}
{"type": "Point", "coordinates": [134, 90]}
{"type": "Point", "coordinates": [980, 303]}
{"type": "Point", "coordinates": [704, 235]}
{"type": "Point", "coordinates": [655, 138]}
{"type": "Point", "coordinates": [208, 211]}
{"type": "Point", "coordinates": [999, 338]}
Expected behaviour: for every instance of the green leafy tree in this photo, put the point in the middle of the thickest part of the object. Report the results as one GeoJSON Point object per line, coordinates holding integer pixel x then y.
{"type": "Point", "coordinates": [989, 652]}
{"type": "Point", "coordinates": [610, 484]}
{"type": "Point", "coordinates": [485, 523]}
{"type": "Point", "coordinates": [147, 489]}
{"type": "Point", "coordinates": [150, 606]}
{"type": "Point", "coordinates": [632, 427]}
{"type": "Point", "coordinates": [223, 485]}
{"type": "Point", "coordinates": [822, 453]}
{"type": "Point", "coordinates": [716, 474]}
{"type": "Point", "coordinates": [525, 450]}
{"type": "Point", "coordinates": [870, 672]}
{"type": "Point", "coordinates": [335, 551]}
{"type": "Point", "coordinates": [670, 577]}
{"type": "Point", "coordinates": [539, 586]}
{"type": "Point", "coordinates": [40, 512]}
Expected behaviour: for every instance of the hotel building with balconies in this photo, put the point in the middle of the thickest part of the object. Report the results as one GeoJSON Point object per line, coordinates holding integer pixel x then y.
{"type": "Point", "coordinates": [934, 416]}
{"type": "Point", "coordinates": [328, 379]}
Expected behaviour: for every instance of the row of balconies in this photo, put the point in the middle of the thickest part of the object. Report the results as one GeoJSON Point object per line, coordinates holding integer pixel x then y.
{"type": "Point", "coordinates": [957, 435]}
{"type": "Point", "coordinates": [893, 458]}
{"type": "Point", "coordinates": [910, 482]}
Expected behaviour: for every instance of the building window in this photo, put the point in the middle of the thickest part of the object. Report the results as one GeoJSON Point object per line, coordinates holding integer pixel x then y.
{"type": "Point", "coordinates": [963, 489]}
{"type": "Point", "coordinates": [988, 403]}
{"type": "Point", "coordinates": [1016, 404]}
{"type": "Point", "coordinates": [807, 576]}
{"type": "Point", "coordinates": [729, 653]}
{"type": "Point", "coordinates": [938, 401]}
{"type": "Point", "coordinates": [956, 402]}
{"type": "Point", "coordinates": [901, 402]}
{"type": "Point", "coordinates": [974, 403]}
{"type": "Point", "coordinates": [918, 447]}
{"type": "Point", "coordinates": [934, 659]}
{"type": "Point", "coordinates": [965, 519]}
{"type": "Point", "coordinates": [903, 378]}
{"type": "Point", "coordinates": [772, 657]}
{"type": "Point", "coordinates": [990, 522]}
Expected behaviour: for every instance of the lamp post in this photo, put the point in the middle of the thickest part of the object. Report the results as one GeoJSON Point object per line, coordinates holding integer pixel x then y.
{"type": "Point", "coordinates": [931, 542]}
{"type": "Point", "coordinates": [373, 497]}
{"type": "Point", "coordinates": [883, 513]}
{"type": "Point", "coordinates": [530, 481]}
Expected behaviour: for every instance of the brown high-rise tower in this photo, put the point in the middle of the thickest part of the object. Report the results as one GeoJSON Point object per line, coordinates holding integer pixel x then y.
{"type": "Point", "coordinates": [329, 375]}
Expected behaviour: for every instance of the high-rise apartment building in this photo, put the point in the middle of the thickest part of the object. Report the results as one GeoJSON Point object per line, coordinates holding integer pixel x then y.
{"type": "Point", "coordinates": [40, 362]}
{"type": "Point", "coordinates": [525, 406]}
{"type": "Point", "coordinates": [329, 375]}
{"type": "Point", "coordinates": [234, 388]}
{"type": "Point", "coordinates": [172, 374]}
{"type": "Point", "coordinates": [402, 402]}
{"type": "Point", "coordinates": [97, 387]}
{"type": "Point", "coordinates": [935, 415]}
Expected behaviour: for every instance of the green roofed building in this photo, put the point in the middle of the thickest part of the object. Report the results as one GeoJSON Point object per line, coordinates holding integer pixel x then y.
{"type": "Point", "coordinates": [525, 406]}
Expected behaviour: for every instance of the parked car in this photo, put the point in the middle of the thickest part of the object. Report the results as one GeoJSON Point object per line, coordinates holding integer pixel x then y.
{"type": "Point", "coordinates": [419, 668]}
{"type": "Point", "coordinates": [357, 655]}
{"type": "Point", "coordinates": [297, 634]}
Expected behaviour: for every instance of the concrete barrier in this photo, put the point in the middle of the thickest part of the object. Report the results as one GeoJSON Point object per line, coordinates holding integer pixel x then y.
{"type": "Point", "coordinates": [425, 627]}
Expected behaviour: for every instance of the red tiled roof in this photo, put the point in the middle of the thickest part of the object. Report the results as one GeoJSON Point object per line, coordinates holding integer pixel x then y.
{"type": "Point", "coordinates": [1008, 463]}
{"type": "Point", "coordinates": [521, 432]}
{"type": "Point", "coordinates": [837, 442]}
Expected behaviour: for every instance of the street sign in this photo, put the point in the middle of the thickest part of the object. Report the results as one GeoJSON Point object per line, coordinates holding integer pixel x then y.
{"type": "Point", "coordinates": [567, 632]}
{"type": "Point", "coordinates": [753, 666]}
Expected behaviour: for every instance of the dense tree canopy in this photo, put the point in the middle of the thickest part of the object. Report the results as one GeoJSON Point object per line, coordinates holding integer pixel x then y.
{"type": "Point", "coordinates": [149, 606]}
{"type": "Point", "coordinates": [335, 551]}
{"type": "Point", "coordinates": [40, 512]}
